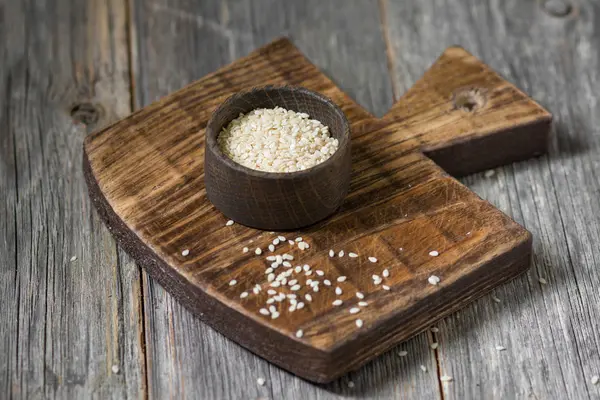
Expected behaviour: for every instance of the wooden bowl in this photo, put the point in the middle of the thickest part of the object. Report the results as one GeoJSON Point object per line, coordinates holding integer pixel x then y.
{"type": "Point", "coordinates": [277, 201]}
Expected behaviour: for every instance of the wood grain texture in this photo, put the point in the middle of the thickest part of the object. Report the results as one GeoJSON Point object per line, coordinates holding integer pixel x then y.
{"type": "Point", "coordinates": [398, 200]}
{"type": "Point", "coordinates": [550, 331]}
{"type": "Point", "coordinates": [64, 323]}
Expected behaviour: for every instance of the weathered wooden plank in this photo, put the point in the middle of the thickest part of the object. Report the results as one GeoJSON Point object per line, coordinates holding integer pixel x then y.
{"type": "Point", "coordinates": [64, 324]}
{"type": "Point", "coordinates": [178, 42]}
{"type": "Point", "coordinates": [550, 331]}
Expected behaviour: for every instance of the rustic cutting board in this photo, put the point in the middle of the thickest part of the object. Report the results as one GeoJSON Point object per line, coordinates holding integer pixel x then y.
{"type": "Point", "coordinates": [145, 176]}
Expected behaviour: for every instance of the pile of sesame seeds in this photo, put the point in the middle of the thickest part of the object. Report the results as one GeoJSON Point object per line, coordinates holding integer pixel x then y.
{"type": "Point", "coordinates": [277, 140]}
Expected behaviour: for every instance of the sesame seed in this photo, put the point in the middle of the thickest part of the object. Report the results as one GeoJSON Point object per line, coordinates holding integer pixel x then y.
{"type": "Point", "coordinates": [595, 379]}
{"type": "Point", "coordinates": [331, 253]}
{"type": "Point", "coordinates": [183, 253]}
{"type": "Point", "coordinates": [434, 280]}
{"type": "Point", "coordinates": [309, 281]}
{"type": "Point", "coordinates": [74, 258]}
{"type": "Point", "coordinates": [300, 305]}
{"type": "Point", "coordinates": [299, 333]}
{"type": "Point", "coordinates": [373, 259]}
{"type": "Point", "coordinates": [350, 384]}
{"type": "Point", "coordinates": [298, 269]}
{"type": "Point", "coordinates": [292, 308]}
{"type": "Point", "coordinates": [496, 299]}
{"type": "Point", "coordinates": [489, 173]}
{"type": "Point", "coordinates": [243, 295]}
{"type": "Point", "coordinates": [264, 311]}
{"type": "Point", "coordinates": [272, 309]}
{"type": "Point", "coordinates": [292, 282]}
{"type": "Point", "coordinates": [341, 253]}
{"type": "Point", "coordinates": [338, 291]}
{"type": "Point", "coordinates": [245, 249]}
{"type": "Point", "coordinates": [385, 273]}
{"type": "Point", "coordinates": [401, 248]}
{"type": "Point", "coordinates": [271, 300]}
{"type": "Point", "coordinates": [402, 353]}
{"type": "Point", "coordinates": [275, 242]}
{"type": "Point", "coordinates": [272, 292]}
{"type": "Point", "coordinates": [275, 315]}
{"type": "Point", "coordinates": [327, 282]}
{"type": "Point", "coordinates": [434, 253]}
{"type": "Point", "coordinates": [306, 267]}
{"type": "Point", "coordinates": [314, 283]}
{"type": "Point", "coordinates": [295, 287]}
{"type": "Point", "coordinates": [271, 248]}
{"type": "Point", "coordinates": [434, 329]}
{"type": "Point", "coordinates": [446, 378]}
{"type": "Point", "coordinates": [352, 255]}
{"type": "Point", "coordinates": [286, 264]}
{"type": "Point", "coordinates": [360, 295]}
{"type": "Point", "coordinates": [268, 270]}
{"type": "Point", "coordinates": [363, 303]}
{"type": "Point", "coordinates": [385, 287]}
{"type": "Point", "coordinates": [337, 302]}
{"type": "Point", "coordinates": [315, 288]}
{"type": "Point", "coordinates": [301, 245]}
{"type": "Point", "coordinates": [283, 281]}
{"type": "Point", "coordinates": [260, 381]}
{"type": "Point", "coordinates": [376, 277]}
{"type": "Point", "coordinates": [542, 281]}
{"type": "Point", "coordinates": [308, 297]}
{"type": "Point", "coordinates": [281, 238]}
{"type": "Point", "coordinates": [434, 345]}
{"type": "Point", "coordinates": [115, 369]}
{"type": "Point", "coordinates": [275, 284]}
{"type": "Point", "coordinates": [291, 242]}
{"type": "Point", "coordinates": [271, 277]}
{"type": "Point", "coordinates": [229, 223]}
{"type": "Point", "coordinates": [288, 257]}
{"type": "Point", "coordinates": [354, 310]}
{"type": "Point", "coordinates": [319, 272]}
{"type": "Point", "coordinates": [232, 282]}
{"type": "Point", "coordinates": [299, 239]}
{"type": "Point", "coordinates": [271, 258]}
{"type": "Point", "coordinates": [423, 368]}
{"type": "Point", "coordinates": [258, 251]}
{"type": "Point", "coordinates": [341, 278]}
{"type": "Point", "coordinates": [291, 296]}
{"type": "Point", "coordinates": [359, 323]}
{"type": "Point", "coordinates": [256, 290]}
{"type": "Point", "coordinates": [500, 348]}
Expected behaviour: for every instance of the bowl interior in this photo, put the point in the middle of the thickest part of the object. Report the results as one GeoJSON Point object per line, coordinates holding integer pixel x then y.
{"type": "Point", "coordinates": [296, 99]}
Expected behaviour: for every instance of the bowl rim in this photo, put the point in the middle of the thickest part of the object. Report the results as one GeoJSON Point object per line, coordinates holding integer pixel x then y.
{"type": "Point", "coordinates": [210, 138]}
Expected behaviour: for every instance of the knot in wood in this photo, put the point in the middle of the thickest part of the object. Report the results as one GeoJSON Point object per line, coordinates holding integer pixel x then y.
{"type": "Point", "coordinates": [86, 113]}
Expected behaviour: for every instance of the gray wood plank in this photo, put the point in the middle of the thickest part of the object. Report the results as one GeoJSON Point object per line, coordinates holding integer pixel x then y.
{"type": "Point", "coordinates": [550, 331]}
{"type": "Point", "coordinates": [179, 41]}
{"type": "Point", "coordinates": [64, 324]}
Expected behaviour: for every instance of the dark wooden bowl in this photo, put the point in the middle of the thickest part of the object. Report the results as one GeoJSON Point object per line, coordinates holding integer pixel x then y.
{"type": "Point", "coordinates": [277, 201]}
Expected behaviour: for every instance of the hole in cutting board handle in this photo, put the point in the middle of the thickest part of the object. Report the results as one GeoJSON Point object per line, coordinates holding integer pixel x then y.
{"type": "Point", "coordinates": [469, 99]}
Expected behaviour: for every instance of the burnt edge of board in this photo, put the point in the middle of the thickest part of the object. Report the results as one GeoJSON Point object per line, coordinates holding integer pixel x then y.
{"type": "Point", "coordinates": [316, 365]}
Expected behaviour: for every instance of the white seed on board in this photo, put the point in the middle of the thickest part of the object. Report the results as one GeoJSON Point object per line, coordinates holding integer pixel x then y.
{"type": "Point", "coordinates": [288, 257]}
{"type": "Point", "coordinates": [373, 259]}
{"type": "Point", "coordinates": [271, 258]}
{"type": "Point", "coordinates": [542, 281]}
{"type": "Point", "coordinates": [243, 295]}
{"type": "Point", "coordinates": [275, 315]}
{"type": "Point", "coordinates": [352, 255]}
{"type": "Point", "coordinates": [299, 333]}
{"type": "Point", "coordinates": [300, 305]}
{"type": "Point", "coordinates": [74, 258]}
{"type": "Point", "coordinates": [308, 297]}
{"type": "Point", "coordinates": [275, 242]}
{"type": "Point", "coordinates": [258, 251]}
{"type": "Point", "coordinates": [376, 277]}
{"type": "Point", "coordinates": [319, 272]}
{"type": "Point", "coordinates": [298, 269]}
{"type": "Point", "coordinates": [286, 264]}
{"type": "Point", "coordinates": [271, 248]}
{"type": "Point", "coordinates": [445, 378]}
{"type": "Point", "coordinates": [434, 253]}
{"type": "Point", "coordinates": [308, 273]}
{"type": "Point", "coordinates": [401, 248]}
{"type": "Point", "coordinates": [341, 278]}
{"type": "Point", "coordinates": [496, 299]}
{"type": "Point", "coordinates": [232, 282]}
{"type": "Point", "coordinates": [313, 283]}
{"type": "Point", "coordinates": [423, 368]}
{"type": "Point", "coordinates": [434, 280]}
{"type": "Point", "coordinates": [337, 302]}
{"type": "Point", "coordinates": [183, 253]}
{"type": "Point", "coordinates": [500, 348]}
{"type": "Point", "coordinates": [359, 323]}
{"type": "Point", "coordinates": [299, 239]}
{"type": "Point", "coordinates": [434, 329]}
{"type": "Point", "coordinates": [360, 295]}
{"type": "Point", "coordinates": [292, 282]}
{"type": "Point", "coordinates": [385, 273]}
{"type": "Point", "coordinates": [272, 292]}
{"type": "Point", "coordinates": [315, 288]}
{"type": "Point", "coordinates": [338, 290]}
{"type": "Point", "coordinates": [275, 284]}
{"type": "Point", "coordinates": [402, 353]}
{"type": "Point", "coordinates": [341, 253]}
{"type": "Point", "coordinates": [115, 369]}
{"type": "Point", "coordinates": [363, 303]}
{"type": "Point", "coordinates": [595, 379]}
{"type": "Point", "coordinates": [309, 281]}
{"type": "Point", "coordinates": [331, 253]}
{"type": "Point", "coordinates": [268, 270]}
{"type": "Point", "coordinates": [264, 311]}
{"type": "Point", "coordinates": [230, 222]}
{"type": "Point", "coordinates": [271, 300]}
{"type": "Point", "coordinates": [306, 267]}
{"type": "Point", "coordinates": [272, 309]}
{"type": "Point", "coordinates": [255, 290]}
{"type": "Point", "coordinates": [281, 238]}
{"type": "Point", "coordinates": [434, 345]}
{"type": "Point", "coordinates": [301, 245]}
{"type": "Point", "coordinates": [350, 384]}
{"type": "Point", "coordinates": [291, 242]}
{"type": "Point", "coordinates": [292, 308]}
{"type": "Point", "coordinates": [295, 287]}
{"type": "Point", "coordinates": [260, 381]}
{"type": "Point", "coordinates": [327, 282]}
{"type": "Point", "coordinates": [385, 287]}
{"type": "Point", "coordinates": [271, 277]}
{"type": "Point", "coordinates": [291, 295]}
{"type": "Point", "coordinates": [354, 310]}
{"type": "Point", "coordinates": [489, 173]}
{"type": "Point", "coordinates": [245, 249]}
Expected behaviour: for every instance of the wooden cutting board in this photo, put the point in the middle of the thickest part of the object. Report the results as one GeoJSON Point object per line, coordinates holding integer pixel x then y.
{"type": "Point", "coordinates": [145, 177]}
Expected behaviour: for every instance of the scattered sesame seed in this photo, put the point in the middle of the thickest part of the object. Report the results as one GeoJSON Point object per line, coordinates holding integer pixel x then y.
{"type": "Point", "coordinates": [401, 248]}
{"type": "Point", "coordinates": [360, 295]}
{"type": "Point", "coordinates": [352, 255]}
{"type": "Point", "coordinates": [354, 310]}
{"type": "Point", "coordinates": [341, 253]}
{"type": "Point", "coordinates": [434, 280]}
{"type": "Point", "coordinates": [445, 378]}
{"type": "Point", "coordinates": [300, 305]}
{"type": "Point", "coordinates": [292, 282]}
{"type": "Point", "coordinates": [271, 277]}
{"type": "Point", "coordinates": [402, 353]}
{"type": "Point", "coordinates": [385, 273]}
{"type": "Point", "coordinates": [295, 287]}
{"type": "Point", "coordinates": [275, 315]}
{"type": "Point", "coordinates": [309, 281]}
{"type": "Point", "coordinates": [363, 303]}
{"type": "Point", "coordinates": [281, 238]}
{"type": "Point", "coordinates": [434, 345]}
{"type": "Point", "coordinates": [350, 384]}
{"type": "Point", "coordinates": [299, 333]}
{"type": "Point", "coordinates": [434, 329]}
{"type": "Point", "coordinates": [272, 292]}
{"type": "Point", "coordinates": [245, 249]}
{"type": "Point", "coordinates": [423, 368]}
{"type": "Point", "coordinates": [261, 381]}
{"type": "Point", "coordinates": [74, 258]}
{"type": "Point", "coordinates": [115, 369]}
{"type": "Point", "coordinates": [489, 173]}
{"type": "Point", "coordinates": [308, 273]}
{"type": "Point", "coordinates": [313, 283]}
{"type": "Point", "coordinates": [359, 323]}
{"type": "Point", "coordinates": [468, 233]}
{"type": "Point", "coordinates": [286, 264]}
{"type": "Point", "coordinates": [183, 253]}
{"type": "Point", "coordinates": [271, 300]}
{"type": "Point", "coordinates": [500, 348]}
{"type": "Point", "coordinates": [288, 257]}
{"type": "Point", "coordinates": [264, 311]}
{"type": "Point", "coordinates": [292, 308]}
{"type": "Point", "coordinates": [229, 223]}
{"type": "Point", "coordinates": [542, 281]}
{"type": "Point", "coordinates": [258, 251]}
{"type": "Point", "coordinates": [373, 259]}
{"type": "Point", "coordinates": [376, 277]}
{"type": "Point", "coordinates": [338, 290]}
{"type": "Point", "coordinates": [299, 239]}
{"type": "Point", "coordinates": [298, 269]}
{"type": "Point", "coordinates": [319, 272]}
{"type": "Point", "coordinates": [496, 299]}
{"type": "Point", "coordinates": [291, 295]}
{"type": "Point", "coordinates": [275, 284]}
{"type": "Point", "coordinates": [301, 245]}
{"type": "Point", "coordinates": [331, 253]}
{"type": "Point", "coordinates": [327, 282]}
{"type": "Point", "coordinates": [308, 297]}
{"type": "Point", "coordinates": [306, 267]}
{"type": "Point", "coordinates": [385, 287]}
{"type": "Point", "coordinates": [315, 288]}
{"type": "Point", "coordinates": [434, 253]}
{"type": "Point", "coordinates": [243, 295]}
{"type": "Point", "coordinates": [337, 302]}
{"type": "Point", "coordinates": [272, 309]}
{"type": "Point", "coordinates": [595, 379]}
{"type": "Point", "coordinates": [268, 270]}
{"type": "Point", "coordinates": [341, 278]}
{"type": "Point", "coordinates": [271, 258]}
{"type": "Point", "coordinates": [271, 248]}
{"type": "Point", "coordinates": [232, 282]}
{"type": "Point", "coordinates": [256, 290]}
{"type": "Point", "coordinates": [291, 242]}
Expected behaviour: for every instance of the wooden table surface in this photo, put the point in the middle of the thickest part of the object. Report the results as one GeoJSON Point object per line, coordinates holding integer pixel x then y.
{"type": "Point", "coordinates": [98, 327]}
